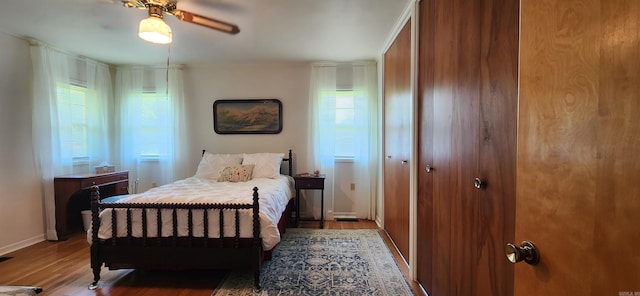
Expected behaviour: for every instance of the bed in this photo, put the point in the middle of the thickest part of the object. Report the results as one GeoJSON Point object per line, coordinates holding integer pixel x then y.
{"type": "Point", "coordinates": [230, 214]}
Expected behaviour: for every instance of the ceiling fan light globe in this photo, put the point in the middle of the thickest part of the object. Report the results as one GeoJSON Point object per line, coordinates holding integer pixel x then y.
{"type": "Point", "coordinates": [155, 30]}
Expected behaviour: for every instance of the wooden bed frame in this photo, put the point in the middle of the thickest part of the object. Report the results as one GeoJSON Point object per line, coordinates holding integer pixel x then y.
{"type": "Point", "coordinates": [179, 252]}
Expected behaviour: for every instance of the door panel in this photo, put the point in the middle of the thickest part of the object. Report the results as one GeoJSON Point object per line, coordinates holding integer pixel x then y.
{"type": "Point", "coordinates": [443, 177]}
{"type": "Point", "coordinates": [468, 95]}
{"type": "Point", "coordinates": [465, 222]}
{"type": "Point", "coordinates": [578, 195]}
{"type": "Point", "coordinates": [424, 226]}
{"type": "Point", "coordinates": [397, 104]}
{"type": "Point", "coordinates": [498, 109]}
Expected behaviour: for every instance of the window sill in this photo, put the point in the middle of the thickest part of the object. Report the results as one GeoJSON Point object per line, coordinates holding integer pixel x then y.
{"type": "Point", "coordinates": [149, 158]}
{"type": "Point", "coordinates": [344, 160]}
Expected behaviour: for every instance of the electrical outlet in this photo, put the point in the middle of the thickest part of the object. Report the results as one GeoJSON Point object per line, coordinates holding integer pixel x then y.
{"type": "Point", "coordinates": [353, 186]}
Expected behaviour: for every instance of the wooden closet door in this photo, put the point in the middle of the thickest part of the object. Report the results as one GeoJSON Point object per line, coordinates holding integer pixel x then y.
{"type": "Point", "coordinates": [468, 88]}
{"type": "Point", "coordinates": [578, 147]}
{"type": "Point", "coordinates": [397, 104]}
{"type": "Point", "coordinates": [455, 146]}
{"type": "Point", "coordinates": [462, 196]}
{"type": "Point", "coordinates": [497, 140]}
{"type": "Point", "coordinates": [426, 169]}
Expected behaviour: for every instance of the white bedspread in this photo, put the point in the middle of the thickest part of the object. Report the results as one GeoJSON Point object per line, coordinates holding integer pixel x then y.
{"type": "Point", "coordinates": [274, 195]}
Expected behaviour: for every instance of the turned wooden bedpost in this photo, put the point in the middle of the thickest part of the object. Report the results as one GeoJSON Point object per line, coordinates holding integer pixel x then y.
{"type": "Point", "coordinates": [256, 239]}
{"type": "Point", "coordinates": [256, 216]}
{"type": "Point", "coordinates": [95, 242]}
{"type": "Point", "coordinates": [290, 163]}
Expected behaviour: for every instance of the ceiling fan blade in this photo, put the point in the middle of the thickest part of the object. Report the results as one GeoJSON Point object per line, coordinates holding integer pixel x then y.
{"type": "Point", "coordinates": [134, 4]}
{"type": "Point", "coordinates": [205, 21]}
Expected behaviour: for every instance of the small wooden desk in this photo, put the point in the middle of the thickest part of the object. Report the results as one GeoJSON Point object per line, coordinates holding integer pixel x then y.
{"type": "Point", "coordinates": [72, 196]}
{"type": "Point", "coordinates": [309, 182]}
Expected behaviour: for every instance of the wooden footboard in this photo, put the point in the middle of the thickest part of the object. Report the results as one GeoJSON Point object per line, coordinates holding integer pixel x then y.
{"type": "Point", "coordinates": [174, 251]}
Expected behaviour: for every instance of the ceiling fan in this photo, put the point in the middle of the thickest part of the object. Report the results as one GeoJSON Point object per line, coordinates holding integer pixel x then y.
{"type": "Point", "coordinates": [154, 29]}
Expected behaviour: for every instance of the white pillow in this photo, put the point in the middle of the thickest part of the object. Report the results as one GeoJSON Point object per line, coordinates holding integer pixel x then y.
{"type": "Point", "coordinates": [212, 164]}
{"type": "Point", "coordinates": [266, 165]}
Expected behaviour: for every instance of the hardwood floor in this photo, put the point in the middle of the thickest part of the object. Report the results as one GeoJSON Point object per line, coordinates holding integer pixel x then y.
{"type": "Point", "coordinates": [62, 268]}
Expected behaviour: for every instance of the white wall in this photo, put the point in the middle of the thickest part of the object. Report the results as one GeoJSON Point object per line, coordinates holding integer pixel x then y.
{"type": "Point", "coordinates": [21, 213]}
{"type": "Point", "coordinates": [345, 203]}
{"type": "Point", "coordinates": [287, 82]}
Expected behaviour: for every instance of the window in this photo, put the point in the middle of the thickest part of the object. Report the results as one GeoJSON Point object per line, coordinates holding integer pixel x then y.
{"type": "Point", "coordinates": [153, 124]}
{"type": "Point", "coordinates": [150, 125]}
{"type": "Point", "coordinates": [345, 125]}
{"type": "Point", "coordinates": [73, 106]}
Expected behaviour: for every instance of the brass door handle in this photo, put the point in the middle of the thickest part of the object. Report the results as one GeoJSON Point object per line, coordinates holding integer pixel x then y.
{"type": "Point", "coordinates": [526, 251]}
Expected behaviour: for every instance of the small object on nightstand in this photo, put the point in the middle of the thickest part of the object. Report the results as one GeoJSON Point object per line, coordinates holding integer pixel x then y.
{"type": "Point", "coordinates": [308, 181]}
{"type": "Point", "coordinates": [104, 168]}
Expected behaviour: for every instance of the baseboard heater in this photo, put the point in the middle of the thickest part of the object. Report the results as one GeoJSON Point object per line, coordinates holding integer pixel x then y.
{"type": "Point", "coordinates": [347, 219]}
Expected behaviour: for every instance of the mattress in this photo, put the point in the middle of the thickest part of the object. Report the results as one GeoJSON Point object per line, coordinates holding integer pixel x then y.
{"type": "Point", "coordinates": [274, 195]}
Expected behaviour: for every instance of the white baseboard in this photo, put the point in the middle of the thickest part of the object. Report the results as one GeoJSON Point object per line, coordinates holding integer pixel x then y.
{"type": "Point", "coordinates": [378, 221]}
{"type": "Point", "coordinates": [329, 215]}
{"type": "Point", "coordinates": [21, 244]}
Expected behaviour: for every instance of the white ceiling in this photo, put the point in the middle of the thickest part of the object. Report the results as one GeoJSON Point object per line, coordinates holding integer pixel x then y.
{"type": "Point", "coordinates": [270, 30]}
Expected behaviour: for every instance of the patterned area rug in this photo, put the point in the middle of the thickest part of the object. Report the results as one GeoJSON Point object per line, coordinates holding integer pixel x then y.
{"type": "Point", "coordinates": [324, 262]}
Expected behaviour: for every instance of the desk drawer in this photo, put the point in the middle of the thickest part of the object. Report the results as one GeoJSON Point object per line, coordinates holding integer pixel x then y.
{"type": "Point", "coordinates": [310, 183]}
{"type": "Point", "coordinates": [105, 179]}
{"type": "Point", "coordinates": [122, 188]}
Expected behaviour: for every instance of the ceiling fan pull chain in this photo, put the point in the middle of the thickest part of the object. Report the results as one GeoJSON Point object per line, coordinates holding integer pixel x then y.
{"type": "Point", "coordinates": [167, 74]}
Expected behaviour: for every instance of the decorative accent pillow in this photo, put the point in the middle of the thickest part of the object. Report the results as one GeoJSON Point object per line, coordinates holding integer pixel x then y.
{"type": "Point", "coordinates": [267, 165]}
{"type": "Point", "coordinates": [212, 164]}
{"type": "Point", "coordinates": [238, 173]}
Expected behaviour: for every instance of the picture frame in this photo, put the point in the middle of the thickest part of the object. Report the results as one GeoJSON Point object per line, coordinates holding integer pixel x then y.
{"type": "Point", "coordinates": [247, 116]}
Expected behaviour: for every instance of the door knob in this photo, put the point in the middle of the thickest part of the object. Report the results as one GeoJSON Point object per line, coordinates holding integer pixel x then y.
{"type": "Point", "coordinates": [429, 169]}
{"type": "Point", "coordinates": [404, 161]}
{"type": "Point", "coordinates": [526, 251]}
{"type": "Point", "coordinates": [478, 183]}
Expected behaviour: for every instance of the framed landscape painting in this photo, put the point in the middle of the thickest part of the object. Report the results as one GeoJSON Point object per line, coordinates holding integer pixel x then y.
{"type": "Point", "coordinates": [252, 116]}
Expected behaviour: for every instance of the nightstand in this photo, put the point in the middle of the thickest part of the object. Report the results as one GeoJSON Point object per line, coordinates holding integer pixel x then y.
{"type": "Point", "coordinates": [305, 182]}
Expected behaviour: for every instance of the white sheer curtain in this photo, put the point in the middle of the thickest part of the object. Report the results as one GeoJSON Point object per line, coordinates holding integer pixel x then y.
{"type": "Point", "coordinates": [322, 128]}
{"type": "Point", "coordinates": [366, 156]}
{"type": "Point", "coordinates": [151, 124]}
{"type": "Point", "coordinates": [55, 74]}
